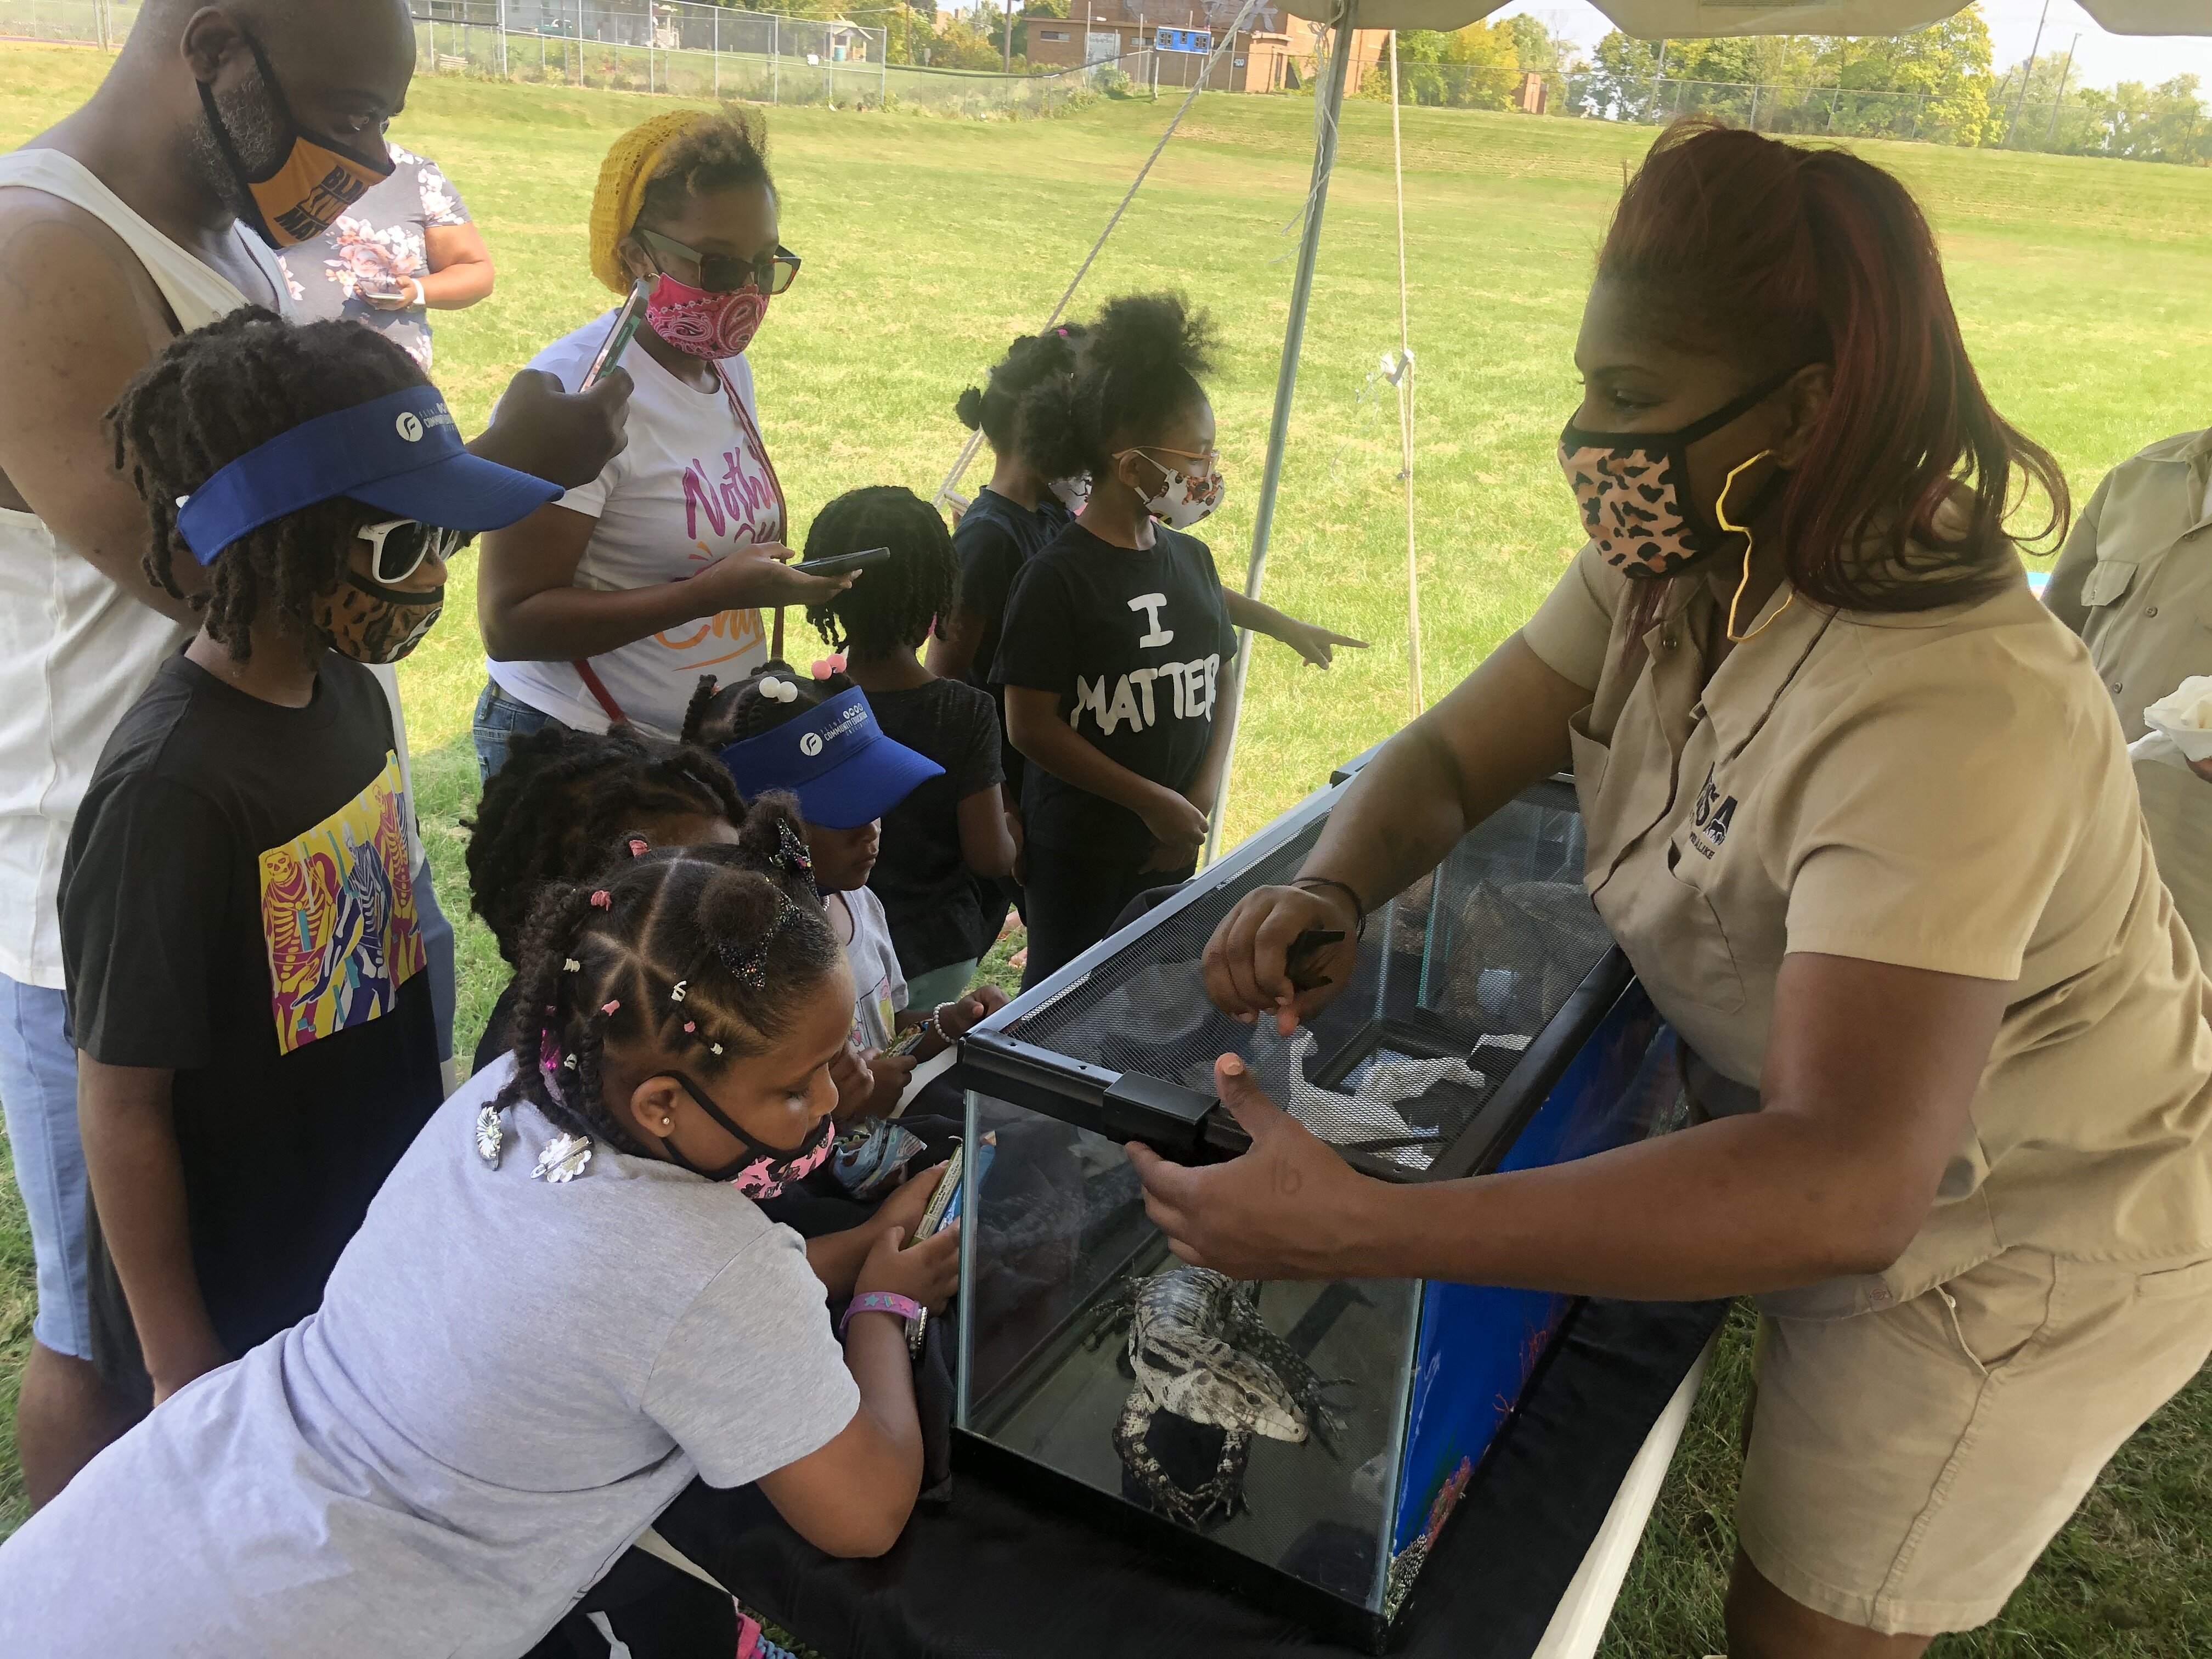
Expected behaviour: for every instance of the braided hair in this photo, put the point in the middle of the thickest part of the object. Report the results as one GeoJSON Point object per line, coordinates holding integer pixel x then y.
{"type": "Point", "coordinates": [703, 952]}
{"type": "Point", "coordinates": [212, 396]}
{"type": "Point", "coordinates": [890, 608]}
{"type": "Point", "coordinates": [1138, 370]}
{"type": "Point", "coordinates": [1031, 361]}
{"type": "Point", "coordinates": [720, 715]}
{"type": "Point", "coordinates": [563, 797]}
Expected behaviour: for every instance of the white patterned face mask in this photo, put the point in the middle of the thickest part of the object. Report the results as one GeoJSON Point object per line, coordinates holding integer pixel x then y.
{"type": "Point", "coordinates": [1073, 493]}
{"type": "Point", "coordinates": [1183, 500]}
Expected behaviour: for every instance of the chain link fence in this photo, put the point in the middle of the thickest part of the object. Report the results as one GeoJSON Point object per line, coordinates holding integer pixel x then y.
{"type": "Point", "coordinates": [695, 50]}
{"type": "Point", "coordinates": [684, 49]}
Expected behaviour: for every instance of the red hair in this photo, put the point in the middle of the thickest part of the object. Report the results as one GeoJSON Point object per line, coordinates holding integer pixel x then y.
{"type": "Point", "coordinates": [1782, 256]}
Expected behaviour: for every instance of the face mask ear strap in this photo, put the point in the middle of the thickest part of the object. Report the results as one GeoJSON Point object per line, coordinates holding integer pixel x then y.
{"type": "Point", "coordinates": [1730, 527]}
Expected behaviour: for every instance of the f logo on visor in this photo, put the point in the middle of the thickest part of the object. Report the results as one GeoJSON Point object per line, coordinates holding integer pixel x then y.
{"type": "Point", "coordinates": [810, 743]}
{"type": "Point", "coordinates": [409, 427]}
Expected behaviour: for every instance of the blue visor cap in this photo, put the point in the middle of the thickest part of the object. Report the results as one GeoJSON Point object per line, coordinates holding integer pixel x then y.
{"type": "Point", "coordinates": [401, 454]}
{"type": "Point", "coordinates": [836, 759]}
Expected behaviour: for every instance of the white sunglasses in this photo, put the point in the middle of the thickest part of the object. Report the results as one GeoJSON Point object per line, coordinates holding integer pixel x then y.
{"type": "Point", "coordinates": [398, 546]}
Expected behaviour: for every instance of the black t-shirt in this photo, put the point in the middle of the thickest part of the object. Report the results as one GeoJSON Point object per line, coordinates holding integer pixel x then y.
{"type": "Point", "coordinates": [237, 905]}
{"type": "Point", "coordinates": [994, 538]}
{"type": "Point", "coordinates": [1132, 643]}
{"type": "Point", "coordinates": [926, 891]}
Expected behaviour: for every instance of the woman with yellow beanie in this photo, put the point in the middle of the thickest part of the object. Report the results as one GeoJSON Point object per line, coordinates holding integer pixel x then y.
{"type": "Point", "coordinates": [608, 605]}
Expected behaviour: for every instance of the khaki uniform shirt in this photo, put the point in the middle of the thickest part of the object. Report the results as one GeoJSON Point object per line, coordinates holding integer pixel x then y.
{"type": "Point", "coordinates": [1946, 791]}
{"type": "Point", "coordinates": [2136, 583]}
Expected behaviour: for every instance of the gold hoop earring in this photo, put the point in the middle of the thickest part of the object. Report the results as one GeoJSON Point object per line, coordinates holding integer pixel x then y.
{"type": "Point", "coordinates": [1720, 511]}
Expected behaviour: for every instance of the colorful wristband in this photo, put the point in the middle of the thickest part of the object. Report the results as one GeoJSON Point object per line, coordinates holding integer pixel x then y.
{"type": "Point", "coordinates": [879, 1301]}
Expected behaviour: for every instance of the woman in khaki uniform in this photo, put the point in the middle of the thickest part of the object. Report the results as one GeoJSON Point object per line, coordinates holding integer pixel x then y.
{"type": "Point", "coordinates": [1859, 813]}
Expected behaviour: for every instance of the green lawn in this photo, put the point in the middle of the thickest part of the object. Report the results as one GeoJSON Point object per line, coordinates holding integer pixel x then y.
{"type": "Point", "coordinates": [930, 242]}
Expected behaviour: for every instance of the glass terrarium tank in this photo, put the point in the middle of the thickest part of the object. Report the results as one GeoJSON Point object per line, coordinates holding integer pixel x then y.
{"type": "Point", "coordinates": [1301, 1441]}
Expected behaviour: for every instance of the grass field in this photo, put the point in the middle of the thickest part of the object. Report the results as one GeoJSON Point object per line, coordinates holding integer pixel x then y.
{"type": "Point", "coordinates": [929, 243]}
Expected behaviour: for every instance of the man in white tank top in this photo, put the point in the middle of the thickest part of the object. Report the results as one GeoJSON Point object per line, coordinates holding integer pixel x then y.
{"type": "Point", "coordinates": [128, 221]}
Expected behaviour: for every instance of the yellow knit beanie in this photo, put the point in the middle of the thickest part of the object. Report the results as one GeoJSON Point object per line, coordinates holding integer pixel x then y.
{"type": "Point", "coordinates": [623, 176]}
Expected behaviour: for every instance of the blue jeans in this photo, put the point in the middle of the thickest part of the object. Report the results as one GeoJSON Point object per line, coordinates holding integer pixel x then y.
{"type": "Point", "coordinates": [500, 719]}
{"type": "Point", "coordinates": [38, 1092]}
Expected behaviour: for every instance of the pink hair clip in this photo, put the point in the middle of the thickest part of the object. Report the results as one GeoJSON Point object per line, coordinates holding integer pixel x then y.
{"type": "Point", "coordinates": [639, 846]}
{"type": "Point", "coordinates": [690, 1026]}
{"type": "Point", "coordinates": [610, 1007]}
{"type": "Point", "coordinates": [603, 900]}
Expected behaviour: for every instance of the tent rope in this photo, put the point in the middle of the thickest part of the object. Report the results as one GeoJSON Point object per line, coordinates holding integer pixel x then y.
{"type": "Point", "coordinates": [947, 490]}
{"type": "Point", "coordinates": [1404, 381]}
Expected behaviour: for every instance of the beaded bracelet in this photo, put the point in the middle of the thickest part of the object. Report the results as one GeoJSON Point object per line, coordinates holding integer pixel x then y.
{"type": "Point", "coordinates": [879, 1301]}
{"type": "Point", "coordinates": [1359, 909]}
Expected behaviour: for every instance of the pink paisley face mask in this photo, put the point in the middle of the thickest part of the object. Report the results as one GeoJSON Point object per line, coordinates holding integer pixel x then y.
{"type": "Point", "coordinates": [702, 324]}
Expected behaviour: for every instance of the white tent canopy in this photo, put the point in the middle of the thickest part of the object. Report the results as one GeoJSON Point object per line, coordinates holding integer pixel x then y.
{"type": "Point", "coordinates": [1654, 20]}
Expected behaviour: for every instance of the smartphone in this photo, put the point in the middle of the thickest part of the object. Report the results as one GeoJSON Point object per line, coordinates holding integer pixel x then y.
{"type": "Point", "coordinates": [908, 1041]}
{"type": "Point", "coordinates": [941, 1204]}
{"type": "Point", "coordinates": [843, 563]}
{"type": "Point", "coordinates": [609, 354]}
{"type": "Point", "coordinates": [940, 1201]}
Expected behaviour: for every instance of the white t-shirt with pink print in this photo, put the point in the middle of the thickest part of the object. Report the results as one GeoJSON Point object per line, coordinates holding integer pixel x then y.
{"type": "Point", "coordinates": [693, 484]}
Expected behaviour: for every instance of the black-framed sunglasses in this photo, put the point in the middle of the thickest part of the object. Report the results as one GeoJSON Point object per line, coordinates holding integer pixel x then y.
{"type": "Point", "coordinates": [398, 546]}
{"type": "Point", "coordinates": [772, 273]}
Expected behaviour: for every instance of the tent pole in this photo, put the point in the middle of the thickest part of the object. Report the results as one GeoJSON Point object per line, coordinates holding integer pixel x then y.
{"type": "Point", "coordinates": [1329, 100]}
{"type": "Point", "coordinates": [1404, 386]}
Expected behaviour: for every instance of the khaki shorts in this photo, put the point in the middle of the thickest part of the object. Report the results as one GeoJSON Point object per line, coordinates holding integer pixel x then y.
{"type": "Point", "coordinates": [1905, 1468]}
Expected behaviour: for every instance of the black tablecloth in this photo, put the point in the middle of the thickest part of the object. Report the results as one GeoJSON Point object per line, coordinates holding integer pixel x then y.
{"type": "Point", "coordinates": [995, 1573]}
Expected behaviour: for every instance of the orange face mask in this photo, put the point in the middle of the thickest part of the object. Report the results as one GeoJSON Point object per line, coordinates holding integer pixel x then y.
{"type": "Point", "coordinates": [312, 181]}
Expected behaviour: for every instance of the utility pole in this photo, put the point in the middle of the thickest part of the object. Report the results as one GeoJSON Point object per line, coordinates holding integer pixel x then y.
{"type": "Point", "coordinates": [1010, 38]}
{"type": "Point", "coordinates": [2026, 75]}
{"type": "Point", "coordinates": [2058, 103]}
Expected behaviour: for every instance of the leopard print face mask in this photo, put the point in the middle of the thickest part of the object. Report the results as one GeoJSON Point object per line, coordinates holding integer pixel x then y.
{"type": "Point", "coordinates": [1633, 488]}
{"type": "Point", "coordinates": [372, 624]}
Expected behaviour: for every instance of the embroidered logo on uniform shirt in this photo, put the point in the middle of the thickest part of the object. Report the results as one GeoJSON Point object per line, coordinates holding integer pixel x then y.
{"type": "Point", "coordinates": [1710, 817]}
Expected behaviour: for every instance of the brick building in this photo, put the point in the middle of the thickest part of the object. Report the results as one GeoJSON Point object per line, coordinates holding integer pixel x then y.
{"type": "Point", "coordinates": [1278, 52]}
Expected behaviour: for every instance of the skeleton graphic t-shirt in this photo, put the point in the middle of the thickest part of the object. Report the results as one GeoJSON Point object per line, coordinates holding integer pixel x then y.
{"type": "Point", "coordinates": [1132, 644]}
{"type": "Point", "coordinates": [237, 908]}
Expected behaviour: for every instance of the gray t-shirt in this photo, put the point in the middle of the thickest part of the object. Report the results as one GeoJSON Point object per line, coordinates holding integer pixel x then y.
{"type": "Point", "coordinates": [506, 1382]}
{"type": "Point", "coordinates": [878, 987]}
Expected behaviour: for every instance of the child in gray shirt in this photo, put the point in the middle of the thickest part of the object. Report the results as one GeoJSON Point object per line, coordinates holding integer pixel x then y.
{"type": "Point", "coordinates": [562, 1307]}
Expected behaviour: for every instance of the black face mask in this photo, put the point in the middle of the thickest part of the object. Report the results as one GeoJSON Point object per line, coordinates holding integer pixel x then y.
{"type": "Point", "coordinates": [311, 180]}
{"type": "Point", "coordinates": [760, 1171]}
{"type": "Point", "coordinates": [1633, 488]}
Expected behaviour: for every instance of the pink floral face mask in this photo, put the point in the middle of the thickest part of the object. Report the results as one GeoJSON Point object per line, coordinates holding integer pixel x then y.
{"type": "Point", "coordinates": [702, 324]}
{"type": "Point", "coordinates": [759, 1171]}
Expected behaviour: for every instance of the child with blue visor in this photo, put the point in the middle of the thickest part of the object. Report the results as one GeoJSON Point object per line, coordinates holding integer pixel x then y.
{"type": "Point", "coordinates": [241, 930]}
{"type": "Point", "coordinates": [818, 740]}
